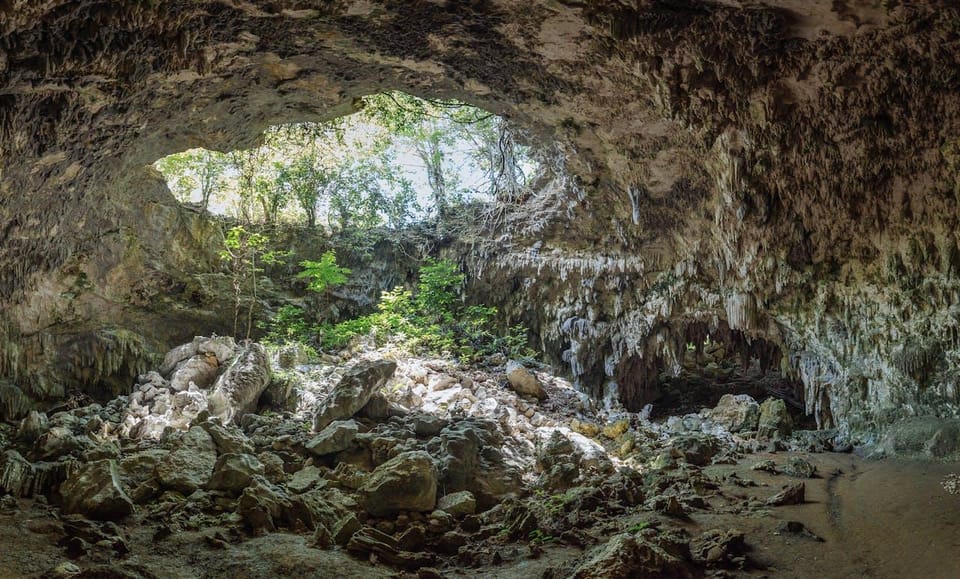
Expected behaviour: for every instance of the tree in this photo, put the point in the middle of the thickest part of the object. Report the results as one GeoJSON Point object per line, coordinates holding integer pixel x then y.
{"type": "Point", "coordinates": [194, 171]}
{"type": "Point", "coordinates": [241, 250]}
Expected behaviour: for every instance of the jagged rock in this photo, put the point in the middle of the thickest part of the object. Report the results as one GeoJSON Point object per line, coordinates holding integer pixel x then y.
{"type": "Point", "coordinates": [458, 504]}
{"type": "Point", "coordinates": [407, 482]}
{"type": "Point", "coordinates": [189, 466]}
{"type": "Point", "coordinates": [766, 465]}
{"type": "Point", "coordinates": [94, 491]}
{"type": "Point", "coordinates": [304, 479]}
{"type": "Point", "coordinates": [272, 467]}
{"type": "Point", "coordinates": [696, 449]}
{"type": "Point", "coordinates": [237, 390]}
{"type": "Point", "coordinates": [140, 467]}
{"type": "Point", "coordinates": [176, 356]}
{"type": "Point", "coordinates": [353, 391]}
{"type": "Point", "coordinates": [336, 437]}
{"type": "Point", "coordinates": [32, 426]}
{"type": "Point", "coordinates": [470, 458]}
{"type": "Point", "coordinates": [774, 419]}
{"type": "Point", "coordinates": [200, 370]}
{"type": "Point", "coordinates": [14, 404]}
{"type": "Point", "coordinates": [923, 437]}
{"type": "Point", "coordinates": [524, 382]}
{"type": "Point", "coordinates": [370, 542]}
{"type": "Point", "coordinates": [427, 425]}
{"type": "Point", "coordinates": [616, 429]}
{"type": "Point", "coordinates": [261, 506]}
{"type": "Point", "coordinates": [792, 494]}
{"type": "Point", "coordinates": [345, 529]}
{"type": "Point", "coordinates": [233, 472]}
{"type": "Point", "coordinates": [736, 412]}
{"type": "Point", "coordinates": [224, 348]}
{"type": "Point", "coordinates": [799, 468]}
{"type": "Point", "coordinates": [588, 429]}
{"type": "Point", "coordinates": [379, 408]}
{"type": "Point", "coordinates": [228, 439]}
{"type": "Point", "coordinates": [718, 547]}
{"type": "Point", "coordinates": [16, 474]}
{"type": "Point", "coordinates": [626, 556]}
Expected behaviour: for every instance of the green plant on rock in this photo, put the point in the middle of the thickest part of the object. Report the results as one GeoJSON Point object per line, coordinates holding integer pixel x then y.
{"type": "Point", "coordinates": [324, 273]}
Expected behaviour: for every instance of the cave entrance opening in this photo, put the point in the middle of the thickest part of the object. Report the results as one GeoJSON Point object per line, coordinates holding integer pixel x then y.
{"type": "Point", "coordinates": [706, 364]}
{"type": "Point", "coordinates": [398, 160]}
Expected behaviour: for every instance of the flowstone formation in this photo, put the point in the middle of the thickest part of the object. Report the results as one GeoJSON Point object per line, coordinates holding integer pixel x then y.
{"type": "Point", "coordinates": [783, 173]}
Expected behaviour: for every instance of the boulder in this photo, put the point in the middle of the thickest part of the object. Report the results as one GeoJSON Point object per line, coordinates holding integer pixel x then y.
{"type": "Point", "coordinates": [233, 472]}
{"type": "Point", "coordinates": [523, 382]}
{"type": "Point", "coordinates": [336, 437]}
{"type": "Point", "coordinates": [626, 556]}
{"type": "Point", "coordinates": [16, 474]}
{"type": "Point", "coordinates": [224, 348]}
{"type": "Point", "coordinates": [799, 468]}
{"type": "Point", "coordinates": [200, 370]}
{"type": "Point", "coordinates": [774, 419]}
{"type": "Point", "coordinates": [93, 490]}
{"type": "Point", "coordinates": [470, 458]}
{"type": "Point", "coordinates": [407, 482]}
{"type": "Point", "coordinates": [696, 449]}
{"type": "Point", "coordinates": [791, 494]}
{"type": "Point", "coordinates": [176, 356]}
{"type": "Point", "coordinates": [228, 439]}
{"type": "Point", "coordinates": [240, 386]}
{"type": "Point", "coordinates": [736, 413]}
{"type": "Point", "coordinates": [924, 437]}
{"type": "Point", "coordinates": [33, 426]}
{"type": "Point", "coordinates": [189, 466]}
{"type": "Point", "coordinates": [458, 504]}
{"type": "Point", "coordinates": [353, 391]}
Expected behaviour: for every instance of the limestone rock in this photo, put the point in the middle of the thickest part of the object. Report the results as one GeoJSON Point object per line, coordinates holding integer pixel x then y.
{"type": "Point", "coordinates": [237, 390]}
{"type": "Point", "coordinates": [228, 439]}
{"type": "Point", "coordinates": [407, 482]}
{"type": "Point", "coordinates": [223, 348]}
{"type": "Point", "coordinates": [16, 474]}
{"type": "Point", "coordinates": [792, 494]}
{"type": "Point", "coordinates": [625, 557]}
{"type": "Point", "coordinates": [736, 413]}
{"type": "Point", "coordinates": [799, 468]}
{"type": "Point", "coordinates": [524, 382]}
{"type": "Point", "coordinates": [616, 429]}
{"type": "Point", "coordinates": [176, 356]}
{"type": "Point", "coordinates": [696, 449]}
{"type": "Point", "coordinates": [189, 466]}
{"type": "Point", "coordinates": [233, 472]}
{"type": "Point", "coordinates": [200, 370]}
{"type": "Point", "coordinates": [774, 419]}
{"type": "Point", "coordinates": [14, 404]}
{"type": "Point", "coordinates": [353, 391]}
{"type": "Point", "coordinates": [458, 504]}
{"type": "Point", "coordinates": [336, 437]}
{"type": "Point", "coordinates": [33, 426]}
{"type": "Point", "coordinates": [94, 491]}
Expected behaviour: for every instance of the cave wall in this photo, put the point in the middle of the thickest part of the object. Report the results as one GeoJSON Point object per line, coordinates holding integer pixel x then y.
{"type": "Point", "coordinates": [787, 168]}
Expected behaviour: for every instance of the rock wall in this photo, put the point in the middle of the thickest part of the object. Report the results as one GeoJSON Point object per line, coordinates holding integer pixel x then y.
{"type": "Point", "coordinates": [785, 170]}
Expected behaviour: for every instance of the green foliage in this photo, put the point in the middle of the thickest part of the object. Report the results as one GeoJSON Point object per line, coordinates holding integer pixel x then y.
{"type": "Point", "coordinates": [434, 319]}
{"type": "Point", "coordinates": [324, 273]}
{"type": "Point", "coordinates": [244, 251]}
{"type": "Point", "coordinates": [539, 537]}
{"type": "Point", "coordinates": [288, 326]}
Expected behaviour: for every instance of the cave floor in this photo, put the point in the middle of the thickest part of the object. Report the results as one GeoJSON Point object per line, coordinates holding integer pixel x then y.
{"type": "Point", "coordinates": [861, 518]}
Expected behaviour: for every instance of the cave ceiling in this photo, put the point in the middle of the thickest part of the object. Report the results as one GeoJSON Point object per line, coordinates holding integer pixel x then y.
{"type": "Point", "coordinates": [787, 169]}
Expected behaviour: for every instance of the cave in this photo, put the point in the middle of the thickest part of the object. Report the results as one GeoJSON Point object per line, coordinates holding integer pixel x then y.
{"type": "Point", "coordinates": [755, 199]}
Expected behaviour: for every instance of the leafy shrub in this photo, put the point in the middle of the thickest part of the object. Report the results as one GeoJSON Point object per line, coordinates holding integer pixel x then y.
{"type": "Point", "coordinates": [434, 320]}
